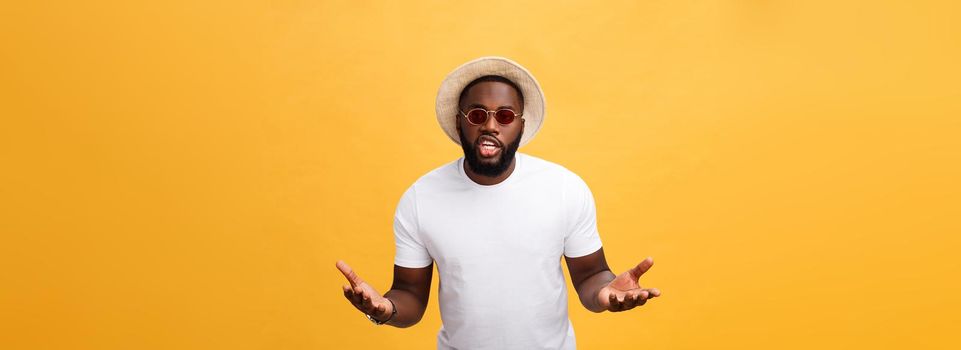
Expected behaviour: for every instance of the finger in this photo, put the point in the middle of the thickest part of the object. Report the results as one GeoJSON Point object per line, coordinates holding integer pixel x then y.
{"type": "Point", "coordinates": [367, 304]}
{"type": "Point", "coordinates": [643, 294]}
{"type": "Point", "coordinates": [638, 298]}
{"type": "Point", "coordinates": [653, 292]}
{"type": "Point", "coordinates": [358, 296]}
{"type": "Point", "coordinates": [355, 299]}
{"type": "Point", "coordinates": [630, 300]}
{"type": "Point", "coordinates": [612, 301]}
{"type": "Point", "coordinates": [349, 273]}
{"type": "Point", "coordinates": [641, 268]}
{"type": "Point", "coordinates": [622, 299]}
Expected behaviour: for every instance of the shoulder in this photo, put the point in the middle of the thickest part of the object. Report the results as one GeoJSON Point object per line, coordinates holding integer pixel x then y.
{"type": "Point", "coordinates": [441, 177]}
{"type": "Point", "coordinates": [542, 168]}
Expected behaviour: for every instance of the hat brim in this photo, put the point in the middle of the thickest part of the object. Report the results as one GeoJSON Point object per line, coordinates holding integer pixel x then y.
{"type": "Point", "coordinates": [449, 93]}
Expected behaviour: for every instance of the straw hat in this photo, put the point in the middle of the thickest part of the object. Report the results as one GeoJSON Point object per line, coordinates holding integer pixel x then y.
{"type": "Point", "coordinates": [449, 94]}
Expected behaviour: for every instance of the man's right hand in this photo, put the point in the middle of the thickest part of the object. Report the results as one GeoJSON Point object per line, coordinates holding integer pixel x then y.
{"type": "Point", "coordinates": [363, 296]}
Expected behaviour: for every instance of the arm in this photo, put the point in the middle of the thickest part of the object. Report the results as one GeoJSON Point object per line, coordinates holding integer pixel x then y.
{"type": "Point", "coordinates": [409, 294]}
{"type": "Point", "coordinates": [589, 274]}
{"type": "Point", "coordinates": [599, 289]}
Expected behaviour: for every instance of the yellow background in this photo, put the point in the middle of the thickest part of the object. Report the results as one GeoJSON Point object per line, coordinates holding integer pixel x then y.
{"type": "Point", "coordinates": [183, 175]}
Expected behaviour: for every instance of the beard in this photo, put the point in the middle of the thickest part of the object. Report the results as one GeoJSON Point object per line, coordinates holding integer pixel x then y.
{"type": "Point", "coordinates": [485, 168]}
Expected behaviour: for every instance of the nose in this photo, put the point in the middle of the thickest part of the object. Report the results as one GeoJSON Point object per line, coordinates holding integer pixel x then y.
{"type": "Point", "coordinates": [490, 125]}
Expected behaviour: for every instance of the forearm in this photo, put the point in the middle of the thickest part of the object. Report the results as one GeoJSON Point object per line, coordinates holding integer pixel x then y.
{"type": "Point", "coordinates": [590, 287]}
{"type": "Point", "coordinates": [409, 307]}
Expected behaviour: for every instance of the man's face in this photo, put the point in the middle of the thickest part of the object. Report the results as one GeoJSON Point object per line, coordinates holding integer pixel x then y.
{"type": "Point", "coordinates": [486, 160]}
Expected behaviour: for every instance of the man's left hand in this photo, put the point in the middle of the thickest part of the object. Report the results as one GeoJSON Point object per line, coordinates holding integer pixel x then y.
{"type": "Point", "coordinates": [624, 292]}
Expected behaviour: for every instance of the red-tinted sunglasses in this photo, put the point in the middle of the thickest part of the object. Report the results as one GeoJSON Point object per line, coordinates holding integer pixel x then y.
{"type": "Point", "coordinates": [478, 116]}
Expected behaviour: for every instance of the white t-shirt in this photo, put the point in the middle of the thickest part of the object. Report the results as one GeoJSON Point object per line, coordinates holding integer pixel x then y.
{"type": "Point", "coordinates": [498, 251]}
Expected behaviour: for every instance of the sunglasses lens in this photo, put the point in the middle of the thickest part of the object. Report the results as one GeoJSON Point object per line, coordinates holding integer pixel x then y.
{"type": "Point", "coordinates": [477, 116]}
{"type": "Point", "coordinates": [505, 116]}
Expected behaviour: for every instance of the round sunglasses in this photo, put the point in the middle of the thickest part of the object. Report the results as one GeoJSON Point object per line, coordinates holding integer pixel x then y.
{"type": "Point", "coordinates": [478, 116]}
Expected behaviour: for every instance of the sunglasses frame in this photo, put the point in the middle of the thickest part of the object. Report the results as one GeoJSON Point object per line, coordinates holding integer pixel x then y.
{"type": "Point", "coordinates": [490, 114]}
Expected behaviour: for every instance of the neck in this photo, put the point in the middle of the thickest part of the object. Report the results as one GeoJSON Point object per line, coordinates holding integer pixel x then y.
{"type": "Point", "coordinates": [486, 180]}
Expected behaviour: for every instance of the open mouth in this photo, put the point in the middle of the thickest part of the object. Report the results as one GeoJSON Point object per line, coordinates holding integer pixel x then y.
{"type": "Point", "coordinates": [488, 146]}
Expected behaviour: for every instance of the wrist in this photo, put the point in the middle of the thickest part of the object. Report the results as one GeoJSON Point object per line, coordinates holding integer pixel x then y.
{"type": "Point", "coordinates": [390, 314]}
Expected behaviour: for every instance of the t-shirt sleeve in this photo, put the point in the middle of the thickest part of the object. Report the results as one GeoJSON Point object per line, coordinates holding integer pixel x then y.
{"type": "Point", "coordinates": [582, 237]}
{"type": "Point", "coordinates": [409, 249]}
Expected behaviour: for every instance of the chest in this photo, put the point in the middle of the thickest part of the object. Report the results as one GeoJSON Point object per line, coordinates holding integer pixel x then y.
{"type": "Point", "coordinates": [493, 226]}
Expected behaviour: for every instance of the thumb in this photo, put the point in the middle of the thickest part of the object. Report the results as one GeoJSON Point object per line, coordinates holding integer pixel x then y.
{"type": "Point", "coordinates": [349, 273]}
{"type": "Point", "coordinates": [641, 268]}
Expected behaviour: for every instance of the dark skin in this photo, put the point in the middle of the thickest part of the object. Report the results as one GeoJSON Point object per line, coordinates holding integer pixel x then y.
{"type": "Point", "coordinates": [597, 287]}
{"type": "Point", "coordinates": [491, 96]}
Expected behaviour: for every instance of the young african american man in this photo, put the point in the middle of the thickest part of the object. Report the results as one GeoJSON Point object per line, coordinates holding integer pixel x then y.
{"type": "Point", "coordinates": [496, 222]}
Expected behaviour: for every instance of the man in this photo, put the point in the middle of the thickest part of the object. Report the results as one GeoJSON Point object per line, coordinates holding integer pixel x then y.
{"type": "Point", "coordinates": [496, 224]}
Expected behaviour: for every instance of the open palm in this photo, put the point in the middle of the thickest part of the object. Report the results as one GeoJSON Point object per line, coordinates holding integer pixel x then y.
{"type": "Point", "coordinates": [624, 292]}
{"type": "Point", "coordinates": [364, 297]}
